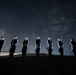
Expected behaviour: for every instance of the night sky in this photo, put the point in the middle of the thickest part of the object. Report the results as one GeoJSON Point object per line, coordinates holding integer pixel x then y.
{"type": "Point", "coordinates": [31, 18]}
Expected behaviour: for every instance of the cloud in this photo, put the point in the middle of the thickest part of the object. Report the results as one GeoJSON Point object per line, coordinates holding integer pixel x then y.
{"type": "Point", "coordinates": [57, 31]}
{"type": "Point", "coordinates": [66, 27]}
{"type": "Point", "coordinates": [2, 32]}
{"type": "Point", "coordinates": [56, 28]}
{"type": "Point", "coordinates": [60, 24]}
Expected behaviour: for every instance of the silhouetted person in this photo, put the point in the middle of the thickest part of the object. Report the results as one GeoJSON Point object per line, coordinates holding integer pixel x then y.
{"type": "Point", "coordinates": [49, 48]}
{"type": "Point", "coordinates": [13, 46]}
{"type": "Point", "coordinates": [38, 44]}
{"type": "Point", "coordinates": [73, 46]}
{"type": "Point", "coordinates": [24, 49]}
{"type": "Point", "coordinates": [1, 43]}
{"type": "Point", "coordinates": [60, 46]}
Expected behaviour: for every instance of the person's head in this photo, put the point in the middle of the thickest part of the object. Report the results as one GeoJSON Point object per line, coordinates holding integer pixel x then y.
{"type": "Point", "coordinates": [49, 38]}
{"type": "Point", "coordinates": [38, 37]}
{"type": "Point", "coordinates": [26, 38]}
{"type": "Point", "coordinates": [15, 37]}
{"type": "Point", "coordinates": [59, 39]}
{"type": "Point", "coordinates": [71, 39]}
{"type": "Point", "coordinates": [2, 38]}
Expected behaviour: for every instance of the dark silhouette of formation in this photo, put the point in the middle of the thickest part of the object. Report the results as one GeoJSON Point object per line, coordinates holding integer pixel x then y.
{"type": "Point", "coordinates": [38, 44]}
{"type": "Point", "coordinates": [24, 49]}
{"type": "Point", "coordinates": [49, 48]}
{"type": "Point", "coordinates": [60, 46]}
{"type": "Point", "coordinates": [73, 46]}
{"type": "Point", "coordinates": [13, 46]}
{"type": "Point", "coordinates": [1, 43]}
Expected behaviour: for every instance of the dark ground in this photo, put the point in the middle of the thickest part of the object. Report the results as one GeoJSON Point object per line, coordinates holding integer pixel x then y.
{"type": "Point", "coordinates": [43, 65]}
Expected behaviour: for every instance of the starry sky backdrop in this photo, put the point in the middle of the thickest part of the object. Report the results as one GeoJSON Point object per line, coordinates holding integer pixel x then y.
{"type": "Point", "coordinates": [31, 18]}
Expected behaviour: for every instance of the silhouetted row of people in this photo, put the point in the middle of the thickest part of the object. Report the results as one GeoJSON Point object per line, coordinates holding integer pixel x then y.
{"type": "Point", "coordinates": [13, 46]}
{"type": "Point", "coordinates": [60, 46]}
{"type": "Point", "coordinates": [49, 46]}
{"type": "Point", "coordinates": [38, 46]}
{"type": "Point", "coordinates": [73, 46]}
{"type": "Point", "coordinates": [24, 49]}
{"type": "Point", "coordinates": [1, 43]}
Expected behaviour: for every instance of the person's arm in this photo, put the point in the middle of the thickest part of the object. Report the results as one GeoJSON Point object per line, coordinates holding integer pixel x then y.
{"type": "Point", "coordinates": [52, 45]}
{"type": "Point", "coordinates": [58, 44]}
{"type": "Point", "coordinates": [40, 44]}
{"type": "Point", "coordinates": [28, 43]}
{"type": "Point", "coordinates": [4, 42]}
{"type": "Point", "coordinates": [62, 45]}
{"type": "Point", "coordinates": [71, 45]}
{"type": "Point", "coordinates": [16, 42]}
